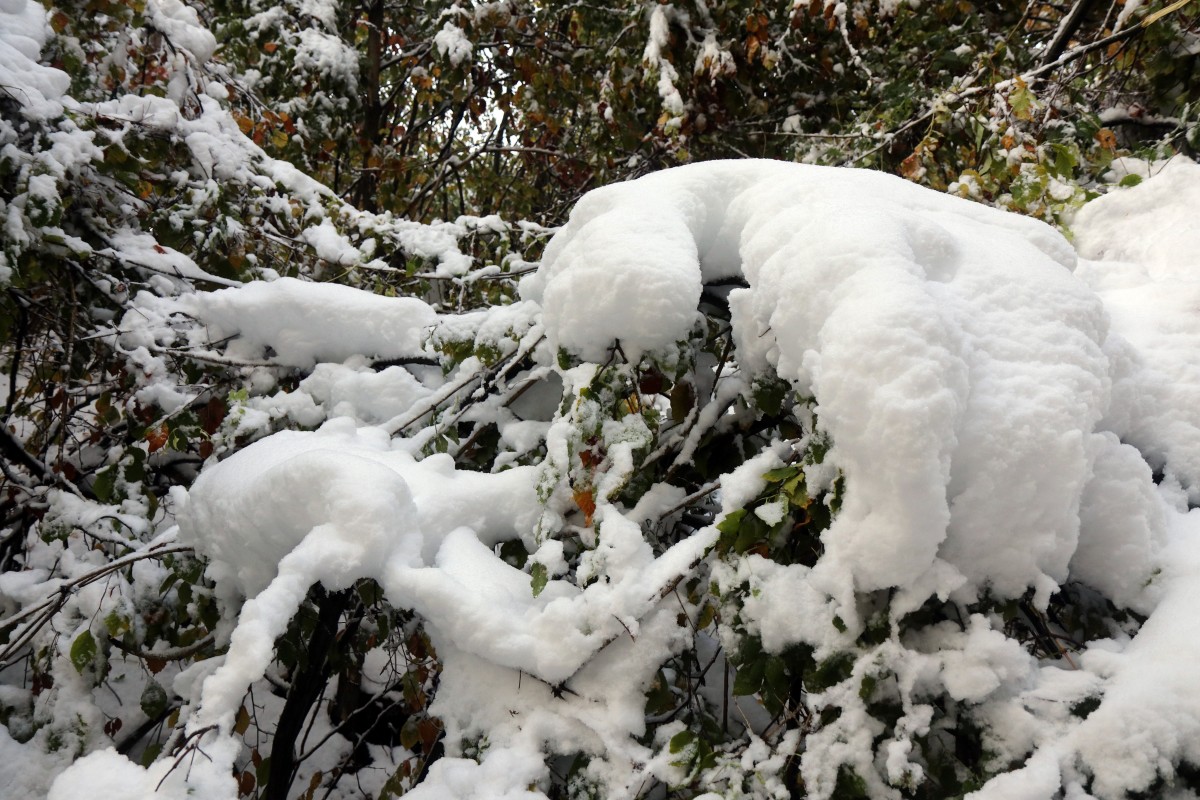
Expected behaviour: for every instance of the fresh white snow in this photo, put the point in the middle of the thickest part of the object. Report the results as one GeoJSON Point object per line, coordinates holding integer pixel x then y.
{"type": "Point", "coordinates": [965, 374]}
{"type": "Point", "coordinates": [1008, 413]}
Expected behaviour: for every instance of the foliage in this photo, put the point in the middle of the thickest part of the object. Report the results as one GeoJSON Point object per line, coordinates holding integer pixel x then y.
{"type": "Point", "coordinates": [534, 105]}
{"type": "Point", "coordinates": [365, 144]}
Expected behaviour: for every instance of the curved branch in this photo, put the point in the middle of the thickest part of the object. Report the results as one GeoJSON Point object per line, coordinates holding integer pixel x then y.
{"type": "Point", "coordinates": [174, 654]}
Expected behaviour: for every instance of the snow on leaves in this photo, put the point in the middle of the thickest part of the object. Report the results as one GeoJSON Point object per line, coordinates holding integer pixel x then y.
{"type": "Point", "coordinates": [769, 479]}
{"type": "Point", "coordinates": [835, 570]}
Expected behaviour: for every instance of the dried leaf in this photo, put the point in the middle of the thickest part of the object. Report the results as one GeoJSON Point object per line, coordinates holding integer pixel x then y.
{"type": "Point", "coordinates": [157, 437]}
{"type": "Point", "coordinates": [586, 503]}
{"type": "Point", "coordinates": [246, 783]}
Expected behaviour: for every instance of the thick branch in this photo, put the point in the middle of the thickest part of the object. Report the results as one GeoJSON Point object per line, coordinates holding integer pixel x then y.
{"type": "Point", "coordinates": [1066, 31]}
{"type": "Point", "coordinates": [306, 688]}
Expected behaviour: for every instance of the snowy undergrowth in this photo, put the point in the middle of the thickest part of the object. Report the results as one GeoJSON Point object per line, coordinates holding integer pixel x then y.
{"type": "Point", "coordinates": [930, 501]}
{"type": "Point", "coordinates": [772, 479]}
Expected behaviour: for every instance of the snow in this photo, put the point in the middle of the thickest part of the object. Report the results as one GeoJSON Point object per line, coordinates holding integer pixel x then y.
{"type": "Point", "coordinates": [302, 322]}
{"type": "Point", "coordinates": [956, 335]}
{"type": "Point", "coordinates": [452, 43]}
{"type": "Point", "coordinates": [326, 54]}
{"type": "Point", "coordinates": [1008, 414]}
{"type": "Point", "coordinates": [22, 37]}
{"type": "Point", "coordinates": [949, 322]}
{"type": "Point", "coordinates": [181, 24]}
{"type": "Point", "coordinates": [1130, 7]}
{"type": "Point", "coordinates": [1142, 251]}
{"type": "Point", "coordinates": [963, 371]}
{"type": "Point", "coordinates": [1150, 715]}
{"type": "Point", "coordinates": [655, 59]}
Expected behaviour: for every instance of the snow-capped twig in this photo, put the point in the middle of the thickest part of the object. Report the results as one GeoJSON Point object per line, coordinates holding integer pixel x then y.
{"type": "Point", "coordinates": [45, 610]}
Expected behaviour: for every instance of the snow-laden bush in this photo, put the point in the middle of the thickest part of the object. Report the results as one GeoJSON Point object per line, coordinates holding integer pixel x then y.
{"type": "Point", "coordinates": [776, 479]}
{"type": "Point", "coordinates": [766, 481]}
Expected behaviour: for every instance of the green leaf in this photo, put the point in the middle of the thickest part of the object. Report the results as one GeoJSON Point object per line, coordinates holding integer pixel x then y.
{"type": "Point", "coordinates": [262, 771]}
{"type": "Point", "coordinates": [1130, 180]}
{"type": "Point", "coordinates": [659, 699]}
{"type": "Point", "coordinates": [683, 400]}
{"type": "Point", "coordinates": [849, 784]}
{"type": "Point", "coordinates": [776, 679]}
{"type": "Point", "coordinates": [154, 699]}
{"type": "Point", "coordinates": [369, 592]}
{"type": "Point", "coordinates": [1022, 101]}
{"type": "Point", "coordinates": [83, 651]}
{"type": "Point", "coordinates": [681, 740]}
{"type": "Point", "coordinates": [409, 736]}
{"type": "Point", "coordinates": [769, 395]}
{"type": "Point", "coordinates": [135, 470]}
{"type": "Point", "coordinates": [151, 753]}
{"type": "Point", "coordinates": [1064, 161]}
{"type": "Point", "coordinates": [102, 486]}
{"type": "Point", "coordinates": [538, 578]}
{"type": "Point", "coordinates": [781, 474]}
{"type": "Point", "coordinates": [831, 672]}
{"type": "Point", "coordinates": [115, 624]}
{"type": "Point", "coordinates": [750, 677]}
{"type": "Point", "coordinates": [1085, 706]}
{"type": "Point", "coordinates": [732, 521]}
{"type": "Point", "coordinates": [728, 528]}
{"type": "Point", "coordinates": [797, 492]}
{"type": "Point", "coordinates": [752, 531]}
{"type": "Point", "coordinates": [242, 722]}
{"type": "Point", "coordinates": [513, 551]}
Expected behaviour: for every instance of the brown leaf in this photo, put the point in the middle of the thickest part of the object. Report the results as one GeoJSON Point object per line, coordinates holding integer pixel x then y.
{"type": "Point", "coordinates": [242, 723]}
{"type": "Point", "coordinates": [586, 503]}
{"type": "Point", "coordinates": [911, 167]}
{"type": "Point", "coordinates": [157, 437]}
{"type": "Point", "coordinates": [429, 729]}
{"type": "Point", "coordinates": [212, 415]}
{"type": "Point", "coordinates": [590, 458]}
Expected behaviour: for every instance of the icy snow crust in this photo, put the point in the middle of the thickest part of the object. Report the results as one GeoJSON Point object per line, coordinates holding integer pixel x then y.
{"type": "Point", "coordinates": [974, 389]}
